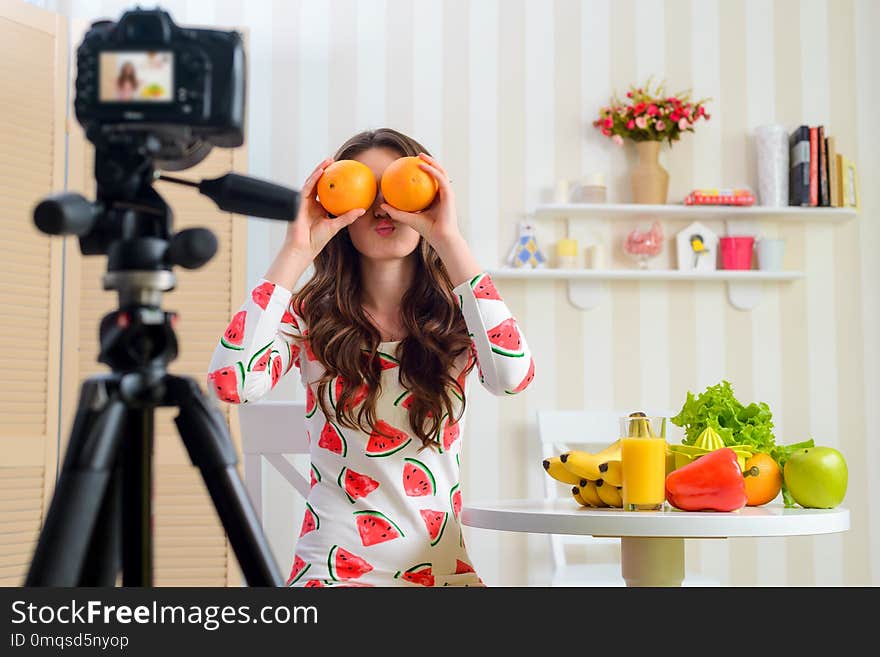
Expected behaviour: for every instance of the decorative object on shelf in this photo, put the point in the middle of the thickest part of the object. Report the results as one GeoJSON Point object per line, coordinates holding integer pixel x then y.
{"type": "Point", "coordinates": [736, 196]}
{"type": "Point", "coordinates": [596, 256]}
{"type": "Point", "coordinates": [561, 191]}
{"type": "Point", "coordinates": [644, 245]}
{"type": "Point", "coordinates": [770, 254]}
{"type": "Point", "coordinates": [590, 189]}
{"type": "Point", "coordinates": [697, 248]}
{"type": "Point", "coordinates": [849, 184]}
{"type": "Point", "coordinates": [736, 251]}
{"type": "Point", "coordinates": [649, 117]}
{"type": "Point", "coordinates": [772, 151]}
{"type": "Point", "coordinates": [649, 179]}
{"type": "Point", "coordinates": [567, 254]}
{"type": "Point", "coordinates": [525, 251]}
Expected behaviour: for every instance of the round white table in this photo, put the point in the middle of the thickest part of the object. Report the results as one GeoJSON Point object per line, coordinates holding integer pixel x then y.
{"type": "Point", "coordinates": [652, 542]}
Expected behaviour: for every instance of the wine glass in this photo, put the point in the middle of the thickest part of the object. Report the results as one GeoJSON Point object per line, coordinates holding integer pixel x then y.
{"type": "Point", "coordinates": [643, 245]}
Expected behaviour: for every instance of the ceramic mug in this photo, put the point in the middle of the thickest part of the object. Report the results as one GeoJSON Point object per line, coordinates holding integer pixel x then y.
{"type": "Point", "coordinates": [770, 254]}
{"type": "Point", "coordinates": [736, 251]}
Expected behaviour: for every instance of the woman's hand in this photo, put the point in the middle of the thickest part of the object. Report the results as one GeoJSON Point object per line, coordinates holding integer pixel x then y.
{"type": "Point", "coordinates": [438, 223]}
{"type": "Point", "coordinates": [313, 227]}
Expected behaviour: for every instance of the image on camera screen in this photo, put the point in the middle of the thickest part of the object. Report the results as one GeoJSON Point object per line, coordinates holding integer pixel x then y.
{"type": "Point", "coordinates": [136, 77]}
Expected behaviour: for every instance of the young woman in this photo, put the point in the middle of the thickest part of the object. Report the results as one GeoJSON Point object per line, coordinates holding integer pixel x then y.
{"type": "Point", "coordinates": [384, 335]}
{"type": "Point", "coordinates": [127, 82]}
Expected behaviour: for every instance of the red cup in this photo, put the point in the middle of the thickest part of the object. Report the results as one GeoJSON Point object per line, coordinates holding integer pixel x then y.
{"type": "Point", "coordinates": [736, 252]}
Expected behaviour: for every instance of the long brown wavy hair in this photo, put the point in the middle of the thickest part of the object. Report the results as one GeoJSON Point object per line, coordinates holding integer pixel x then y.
{"type": "Point", "coordinates": [346, 342]}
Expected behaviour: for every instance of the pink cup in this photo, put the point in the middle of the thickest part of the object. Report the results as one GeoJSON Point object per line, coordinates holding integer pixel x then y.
{"type": "Point", "coordinates": [736, 252]}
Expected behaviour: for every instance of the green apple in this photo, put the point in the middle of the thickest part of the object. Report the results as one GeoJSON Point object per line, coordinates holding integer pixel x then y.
{"type": "Point", "coordinates": [816, 477]}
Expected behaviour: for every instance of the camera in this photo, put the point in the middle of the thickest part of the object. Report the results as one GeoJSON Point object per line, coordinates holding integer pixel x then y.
{"type": "Point", "coordinates": [144, 75]}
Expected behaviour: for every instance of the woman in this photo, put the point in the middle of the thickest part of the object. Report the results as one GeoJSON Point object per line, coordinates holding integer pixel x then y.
{"type": "Point", "coordinates": [384, 334]}
{"type": "Point", "coordinates": [127, 82]}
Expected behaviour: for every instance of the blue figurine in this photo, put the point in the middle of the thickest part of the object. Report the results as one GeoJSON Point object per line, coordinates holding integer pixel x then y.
{"type": "Point", "coordinates": [525, 251]}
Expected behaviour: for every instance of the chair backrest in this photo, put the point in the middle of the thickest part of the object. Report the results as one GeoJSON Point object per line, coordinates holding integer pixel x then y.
{"type": "Point", "coordinates": [269, 430]}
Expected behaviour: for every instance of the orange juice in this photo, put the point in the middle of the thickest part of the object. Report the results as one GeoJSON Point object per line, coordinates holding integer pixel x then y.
{"type": "Point", "coordinates": [643, 464]}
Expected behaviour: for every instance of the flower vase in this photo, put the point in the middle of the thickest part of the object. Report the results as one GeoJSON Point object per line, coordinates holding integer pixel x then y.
{"type": "Point", "coordinates": [649, 180]}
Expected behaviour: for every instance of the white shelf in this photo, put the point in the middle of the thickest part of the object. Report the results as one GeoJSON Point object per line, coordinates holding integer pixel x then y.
{"type": "Point", "coordinates": [587, 288]}
{"type": "Point", "coordinates": [645, 274]}
{"type": "Point", "coordinates": [700, 212]}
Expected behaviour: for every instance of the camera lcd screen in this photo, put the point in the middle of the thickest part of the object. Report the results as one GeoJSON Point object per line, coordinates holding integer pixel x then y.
{"type": "Point", "coordinates": [137, 77]}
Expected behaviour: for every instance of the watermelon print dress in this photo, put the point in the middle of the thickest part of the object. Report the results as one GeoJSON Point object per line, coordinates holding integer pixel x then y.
{"type": "Point", "coordinates": [381, 511]}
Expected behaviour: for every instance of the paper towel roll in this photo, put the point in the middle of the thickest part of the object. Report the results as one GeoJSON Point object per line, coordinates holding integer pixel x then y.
{"type": "Point", "coordinates": [771, 147]}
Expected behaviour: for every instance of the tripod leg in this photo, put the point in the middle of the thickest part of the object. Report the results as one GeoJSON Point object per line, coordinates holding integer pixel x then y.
{"type": "Point", "coordinates": [137, 479]}
{"type": "Point", "coordinates": [210, 448]}
{"type": "Point", "coordinates": [81, 487]}
{"type": "Point", "coordinates": [103, 559]}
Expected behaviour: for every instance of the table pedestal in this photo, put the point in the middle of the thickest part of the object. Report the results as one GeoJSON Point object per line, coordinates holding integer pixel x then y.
{"type": "Point", "coordinates": [652, 561]}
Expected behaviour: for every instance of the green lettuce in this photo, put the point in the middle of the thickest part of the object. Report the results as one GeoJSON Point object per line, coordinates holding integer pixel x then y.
{"type": "Point", "coordinates": [717, 407]}
{"type": "Point", "coordinates": [751, 425]}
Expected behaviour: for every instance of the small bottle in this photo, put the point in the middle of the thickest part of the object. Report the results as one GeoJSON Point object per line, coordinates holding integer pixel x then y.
{"type": "Point", "coordinates": [567, 253]}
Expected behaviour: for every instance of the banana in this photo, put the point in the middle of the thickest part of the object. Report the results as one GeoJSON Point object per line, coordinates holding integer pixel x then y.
{"type": "Point", "coordinates": [582, 464]}
{"type": "Point", "coordinates": [576, 493]}
{"type": "Point", "coordinates": [640, 426]}
{"type": "Point", "coordinates": [591, 495]}
{"type": "Point", "coordinates": [555, 469]}
{"type": "Point", "coordinates": [609, 494]}
{"type": "Point", "coordinates": [612, 452]}
{"type": "Point", "coordinates": [612, 473]}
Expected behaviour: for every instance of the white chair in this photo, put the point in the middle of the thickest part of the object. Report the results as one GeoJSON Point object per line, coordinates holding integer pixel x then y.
{"type": "Point", "coordinates": [269, 430]}
{"type": "Point", "coordinates": [591, 431]}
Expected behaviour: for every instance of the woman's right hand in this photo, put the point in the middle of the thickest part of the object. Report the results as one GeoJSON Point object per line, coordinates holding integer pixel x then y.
{"type": "Point", "coordinates": [313, 227]}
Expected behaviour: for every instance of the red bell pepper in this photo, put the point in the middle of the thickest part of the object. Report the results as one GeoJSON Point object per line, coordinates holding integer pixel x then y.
{"type": "Point", "coordinates": [713, 482]}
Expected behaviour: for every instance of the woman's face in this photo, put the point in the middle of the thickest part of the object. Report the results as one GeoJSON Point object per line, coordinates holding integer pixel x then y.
{"type": "Point", "coordinates": [374, 234]}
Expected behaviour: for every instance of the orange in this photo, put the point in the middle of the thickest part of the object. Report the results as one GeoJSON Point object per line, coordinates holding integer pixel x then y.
{"type": "Point", "coordinates": [407, 187]}
{"type": "Point", "coordinates": [763, 479]}
{"type": "Point", "coordinates": [346, 185]}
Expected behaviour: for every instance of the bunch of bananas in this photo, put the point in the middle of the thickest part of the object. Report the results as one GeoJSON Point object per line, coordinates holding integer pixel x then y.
{"type": "Point", "coordinates": [595, 478]}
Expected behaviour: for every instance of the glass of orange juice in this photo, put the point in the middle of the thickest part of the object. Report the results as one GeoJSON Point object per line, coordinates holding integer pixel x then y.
{"type": "Point", "coordinates": [643, 462]}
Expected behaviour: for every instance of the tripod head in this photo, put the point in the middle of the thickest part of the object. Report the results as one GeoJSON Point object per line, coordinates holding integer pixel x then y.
{"type": "Point", "coordinates": [131, 224]}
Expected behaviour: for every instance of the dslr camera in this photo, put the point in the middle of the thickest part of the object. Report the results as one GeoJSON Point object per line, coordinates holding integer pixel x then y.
{"type": "Point", "coordinates": [146, 75]}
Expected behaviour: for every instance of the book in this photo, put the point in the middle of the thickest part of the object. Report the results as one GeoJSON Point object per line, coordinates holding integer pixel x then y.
{"type": "Point", "coordinates": [799, 166]}
{"type": "Point", "coordinates": [833, 172]}
{"type": "Point", "coordinates": [823, 169]}
{"type": "Point", "coordinates": [814, 167]}
{"type": "Point", "coordinates": [841, 187]}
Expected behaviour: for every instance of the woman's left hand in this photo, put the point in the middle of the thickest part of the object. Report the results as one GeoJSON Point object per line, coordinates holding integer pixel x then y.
{"type": "Point", "coordinates": [438, 223]}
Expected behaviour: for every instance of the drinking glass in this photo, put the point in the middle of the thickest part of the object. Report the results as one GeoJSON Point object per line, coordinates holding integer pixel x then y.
{"type": "Point", "coordinates": [643, 461]}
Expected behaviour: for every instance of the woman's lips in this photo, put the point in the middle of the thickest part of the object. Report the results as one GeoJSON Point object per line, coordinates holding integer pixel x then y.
{"type": "Point", "coordinates": [384, 228]}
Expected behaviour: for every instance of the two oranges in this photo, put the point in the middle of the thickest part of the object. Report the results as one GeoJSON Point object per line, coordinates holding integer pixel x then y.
{"type": "Point", "coordinates": [349, 184]}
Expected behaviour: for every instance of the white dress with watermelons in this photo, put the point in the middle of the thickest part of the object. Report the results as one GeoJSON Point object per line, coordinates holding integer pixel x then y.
{"type": "Point", "coordinates": [381, 511]}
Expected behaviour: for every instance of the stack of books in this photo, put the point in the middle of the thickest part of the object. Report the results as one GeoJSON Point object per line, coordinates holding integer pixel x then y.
{"type": "Point", "coordinates": [817, 174]}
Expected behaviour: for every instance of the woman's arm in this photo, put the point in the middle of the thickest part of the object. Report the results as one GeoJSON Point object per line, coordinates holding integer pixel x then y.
{"type": "Point", "coordinates": [264, 338]}
{"type": "Point", "coordinates": [504, 360]}
{"type": "Point", "coordinates": [254, 351]}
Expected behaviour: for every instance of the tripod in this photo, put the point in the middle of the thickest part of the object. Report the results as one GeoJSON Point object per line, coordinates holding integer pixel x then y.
{"type": "Point", "coordinates": [100, 517]}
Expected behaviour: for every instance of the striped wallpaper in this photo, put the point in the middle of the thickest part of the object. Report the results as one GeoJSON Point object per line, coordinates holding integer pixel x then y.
{"type": "Point", "coordinates": [502, 92]}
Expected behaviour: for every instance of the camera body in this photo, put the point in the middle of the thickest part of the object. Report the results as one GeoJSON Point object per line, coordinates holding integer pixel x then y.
{"type": "Point", "coordinates": [145, 74]}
